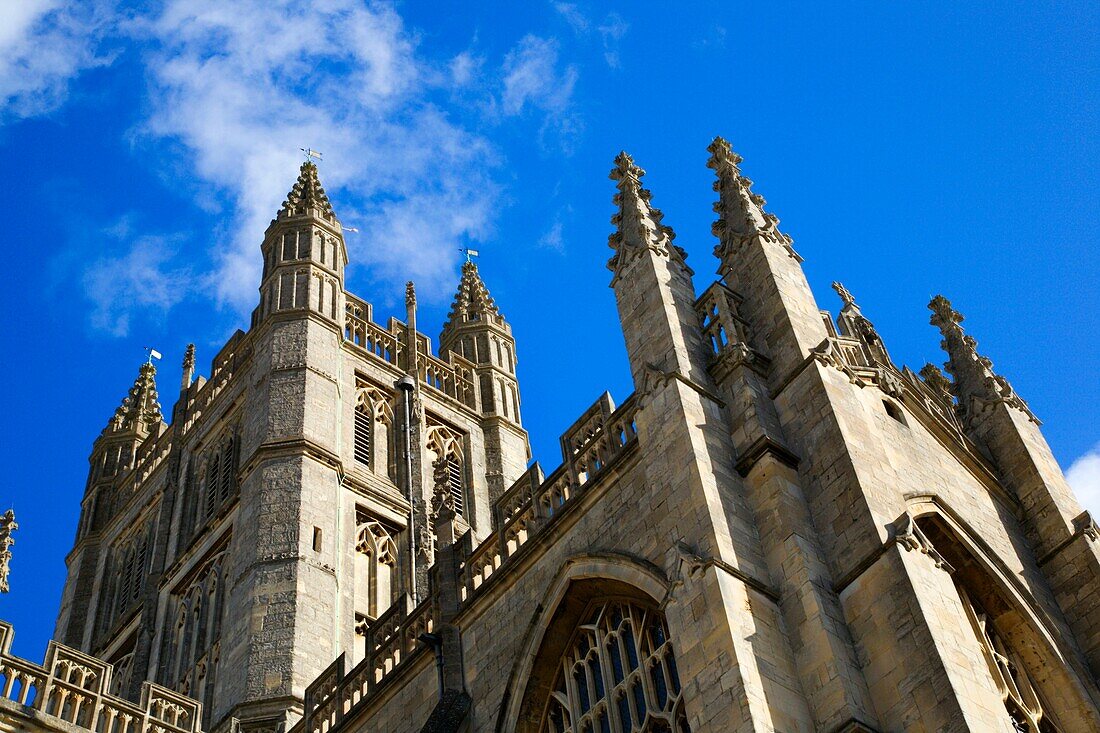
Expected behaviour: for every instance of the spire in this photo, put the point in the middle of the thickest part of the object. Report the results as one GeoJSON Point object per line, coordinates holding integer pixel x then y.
{"type": "Point", "coordinates": [637, 224]}
{"type": "Point", "coordinates": [974, 378]}
{"type": "Point", "coordinates": [472, 302]}
{"type": "Point", "coordinates": [140, 410]}
{"type": "Point", "coordinates": [740, 211]}
{"type": "Point", "coordinates": [307, 195]}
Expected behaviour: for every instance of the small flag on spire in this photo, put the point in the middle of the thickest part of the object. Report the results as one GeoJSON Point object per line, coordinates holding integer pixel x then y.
{"type": "Point", "coordinates": [469, 252]}
{"type": "Point", "coordinates": [153, 354]}
{"type": "Point", "coordinates": [311, 153]}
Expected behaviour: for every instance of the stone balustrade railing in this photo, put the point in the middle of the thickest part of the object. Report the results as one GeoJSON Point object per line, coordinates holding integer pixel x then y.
{"type": "Point", "coordinates": [453, 378]}
{"type": "Point", "coordinates": [529, 507]}
{"type": "Point", "coordinates": [72, 687]}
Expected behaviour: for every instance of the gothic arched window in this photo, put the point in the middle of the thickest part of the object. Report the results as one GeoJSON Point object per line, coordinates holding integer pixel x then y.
{"type": "Point", "coordinates": [193, 650]}
{"type": "Point", "coordinates": [1029, 685]}
{"type": "Point", "coordinates": [618, 673]}
{"type": "Point", "coordinates": [375, 564]}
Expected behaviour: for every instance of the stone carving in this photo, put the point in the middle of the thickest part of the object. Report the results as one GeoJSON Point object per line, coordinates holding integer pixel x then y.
{"type": "Point", "coordinates": [7, 527]}
{"type": "Point", "coordinates": [741, 214]}
{"type": "Point", "coordinates": [1086, 526]}
{"type": "Point", "coordinates": [638, 225]}
{"type": "Point", "coordinates": [140, 410]}
{"type": "Point", "coordinates": [844, 293]}
{"type": "Point", "coordinates": [307, 194]}
{"type": "Point", "coordinates": [410, 294]}
{"type": "Point", "coordinates": [975, 382]}
{"type": "Point", "coordinates": [907, 534]}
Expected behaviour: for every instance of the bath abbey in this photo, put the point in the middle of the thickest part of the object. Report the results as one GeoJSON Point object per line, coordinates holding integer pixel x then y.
{"type": "Point", "coordinates": [339, 527]}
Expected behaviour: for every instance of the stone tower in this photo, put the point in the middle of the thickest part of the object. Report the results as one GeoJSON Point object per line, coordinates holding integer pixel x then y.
{"type": "Point", "coordinates": [236, 552]}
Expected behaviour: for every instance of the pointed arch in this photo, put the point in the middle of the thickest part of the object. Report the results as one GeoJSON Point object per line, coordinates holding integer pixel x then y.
{"type": "Point", "coordinates": [1043, 686]}
{"type": "Point", "coordinates": [448, 465]}
{"type": "Point", "coordinates": [579, 591]}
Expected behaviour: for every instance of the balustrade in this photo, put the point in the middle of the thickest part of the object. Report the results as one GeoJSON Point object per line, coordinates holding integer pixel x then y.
{"type": "Point", "coordinates": [71, 686]}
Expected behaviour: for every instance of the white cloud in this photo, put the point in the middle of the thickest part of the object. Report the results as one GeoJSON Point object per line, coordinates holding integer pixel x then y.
{"type": "Point", "coordinates": [531, 77]}
{"type": "Point", "coordinates": [1084, 476]}
{"type": "Point", "coordinates": [43, 45]}
{"type": "Point", "coordinates": [612, 31]}
{"type": "Point", "coordinates": [553, 238]}
{"type": "Point", "coordinates": [141, 281]}
{"type": "Point", "coordinates": [573, 16]}
{"type": "Point", "coordinates": [532, 81]}
{"type": "Point", "coordinates": [244, 85]}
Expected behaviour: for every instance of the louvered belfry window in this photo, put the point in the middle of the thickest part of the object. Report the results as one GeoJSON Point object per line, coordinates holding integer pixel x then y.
{"type": "Point", "coordinates": [454, 483]}
{"type": "Point", "coordinates": [363, 436]}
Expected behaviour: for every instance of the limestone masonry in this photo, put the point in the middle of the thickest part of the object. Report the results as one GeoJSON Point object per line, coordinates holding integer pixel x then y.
{"type": "Point", "coordinates": [779, 530]}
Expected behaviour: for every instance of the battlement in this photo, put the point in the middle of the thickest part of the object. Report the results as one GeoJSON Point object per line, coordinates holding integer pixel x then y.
{"type": "Point", "coordinates": [71, 687]}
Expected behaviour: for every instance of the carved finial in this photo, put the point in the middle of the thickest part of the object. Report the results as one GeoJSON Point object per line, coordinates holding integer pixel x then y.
{"type": "Point", "coordinates": [740, 212]}
{"type": "Point", "coordinates": [308, 195]}
{"type": "Point", "coordinates": [472, 302]}
{"type": "Point", "coordinates": [140, 410]}
{"type": "Point", "coordinates": [845, 295]}
{"type": "Point", "coordinates": [188, 367]}
{"type": "Point", "coordinates": [7, 527]}
{"type": "Point", "coordinates": [637, 222]}
{"type": "Point", "coordinates": [975, 382]}
{"type": "Point", "coordinates": [410, 294]}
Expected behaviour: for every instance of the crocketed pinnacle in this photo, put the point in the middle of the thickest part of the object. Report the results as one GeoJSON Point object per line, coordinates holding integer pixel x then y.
{"type": "Point", "coordinates": [472, 301]}
{"type": "Point", "coordinates": [974, 378]}
{"type": "Point", "coordinates": [740, 211]}
{"type": "Point", "coordinates": [637, 223]}
{"type": "Point", "coordinates": [307, 194]}
{"type": "Point", "coordinates": [139, 410]}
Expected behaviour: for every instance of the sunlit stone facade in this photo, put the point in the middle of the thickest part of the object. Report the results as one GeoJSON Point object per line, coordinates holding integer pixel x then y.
{"type": "Point", "coordinates": [780, 529]}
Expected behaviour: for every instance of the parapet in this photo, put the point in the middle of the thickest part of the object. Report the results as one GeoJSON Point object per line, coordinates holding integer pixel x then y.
{"type": "Point", "coordinates": [71, 687]}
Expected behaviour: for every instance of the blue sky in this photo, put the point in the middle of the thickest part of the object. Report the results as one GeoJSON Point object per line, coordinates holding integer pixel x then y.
{"type": "Point", "coordinates": [949, 147]}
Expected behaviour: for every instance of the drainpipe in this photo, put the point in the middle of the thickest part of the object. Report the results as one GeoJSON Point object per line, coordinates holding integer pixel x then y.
{"type": "Point", "coordinates": [406, 385]}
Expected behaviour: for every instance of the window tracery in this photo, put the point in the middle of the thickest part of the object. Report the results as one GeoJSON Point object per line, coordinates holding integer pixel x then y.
{"type": "Point", "coordinates": [375, 570]}
{"type": "Point", "coordinates": [618, 674]}
{"type": "Point", "coordinates": [448, 466]}
{"type": "Point", "coordinates": [1018, 692]}
{"type": "Point", "coordinates": [193, 648]}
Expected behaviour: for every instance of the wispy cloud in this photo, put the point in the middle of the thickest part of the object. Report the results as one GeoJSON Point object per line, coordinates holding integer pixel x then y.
{"type": "Point", "coordinates": [44, 44]}
{"type": "Point", "coordinates": [611, 30]}
{"type": "Point", "coordinates": [533, 81]}
{"type": "Point", "coordinates": [553, 238]}
{"type": "Point", "coordinates": [143, 280]}
{"type": "Point", "coordinates": [1084, 476]}
{"type": "Point", "coordinates": [242, 86]}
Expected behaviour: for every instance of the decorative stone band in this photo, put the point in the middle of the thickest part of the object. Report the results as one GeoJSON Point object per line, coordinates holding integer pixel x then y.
{"type": "Point", "coordinates": [72, 687]}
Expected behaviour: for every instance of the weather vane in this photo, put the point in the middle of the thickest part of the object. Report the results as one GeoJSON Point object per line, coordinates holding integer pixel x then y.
{"type": "Point", "coordinates": [153, 353]}
{"type": "Point", "coordinates": [469, 252]}
{"type": "Point", "coordinates": [7, 526]}
{"type": "Point", "coordinates": [311, 153]}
